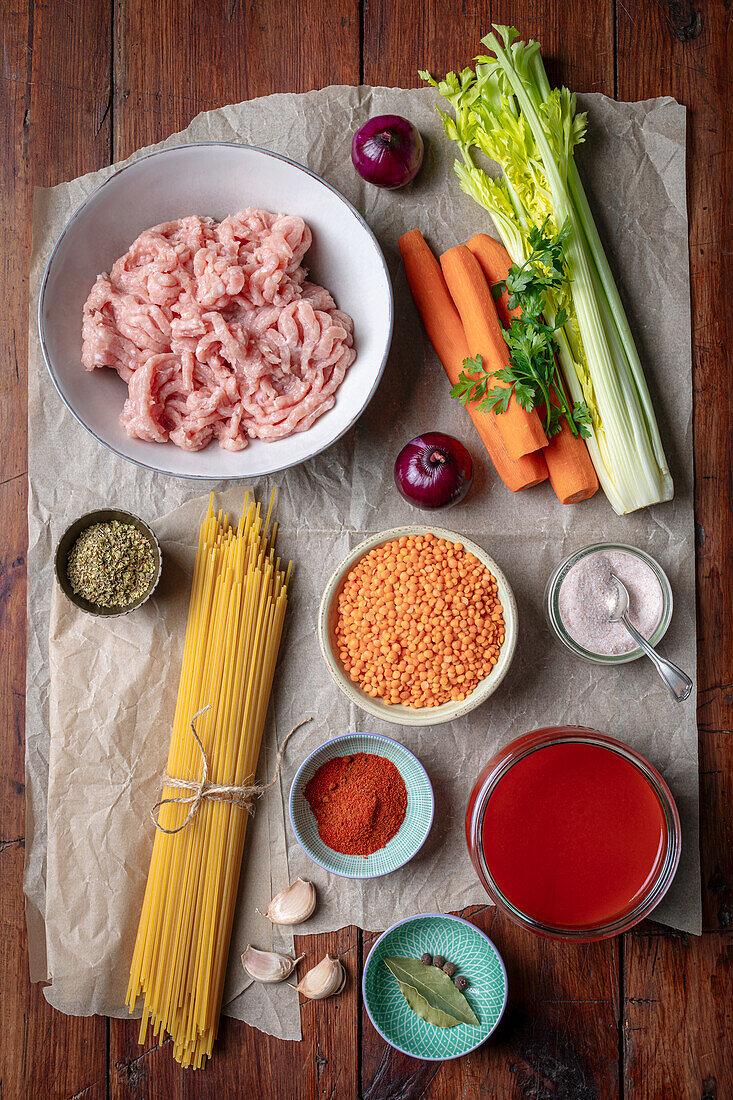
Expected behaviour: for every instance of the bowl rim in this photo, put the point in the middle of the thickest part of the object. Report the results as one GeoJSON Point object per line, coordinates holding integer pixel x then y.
{"type": "Point", "coordinates": [294, 793]}
{"type": "Point", "coordinates": [83, 522]}
{"type": "Point", "coordinates": [425, 716]}
{"type": "Point", "coordinates": [458, 920]}
{"type": "Point", "coordinates": [244, 474]}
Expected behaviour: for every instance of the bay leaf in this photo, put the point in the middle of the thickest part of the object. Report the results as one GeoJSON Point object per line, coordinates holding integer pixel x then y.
{"type": "Point", "coordinates": [425, 1011]}
{"type": "Point", "coordinates": [434, 986]}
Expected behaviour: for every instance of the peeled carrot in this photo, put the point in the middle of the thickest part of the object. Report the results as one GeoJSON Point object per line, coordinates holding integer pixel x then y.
{"type": "Point", "coordinates": [520, 429]}
{"type": "Point", "coordinates": [445, 331]}
{"type": "Point", "coordinates": [572, 474]}
{"type": "Point", "coordinates": [495, 262]}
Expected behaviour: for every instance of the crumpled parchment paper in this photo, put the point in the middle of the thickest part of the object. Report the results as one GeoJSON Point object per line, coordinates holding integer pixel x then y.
{"type": "Point", "coordinates": [101, 692]}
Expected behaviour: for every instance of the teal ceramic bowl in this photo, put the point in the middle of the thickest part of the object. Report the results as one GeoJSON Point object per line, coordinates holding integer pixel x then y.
{"type": "Point", "coordinates": [412, 833]}
{"type": "Point", "coordinates": [476, 958]}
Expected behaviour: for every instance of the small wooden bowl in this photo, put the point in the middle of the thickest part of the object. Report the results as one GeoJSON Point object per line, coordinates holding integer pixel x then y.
{"type": "Point", "coordinates": [66, 542]}
{"type": "Point", "coordinates": [402, 715]}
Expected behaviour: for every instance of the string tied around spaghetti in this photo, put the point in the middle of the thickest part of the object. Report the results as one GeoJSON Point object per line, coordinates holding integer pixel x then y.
{"type": "Point", "coordinates": [201, 789]}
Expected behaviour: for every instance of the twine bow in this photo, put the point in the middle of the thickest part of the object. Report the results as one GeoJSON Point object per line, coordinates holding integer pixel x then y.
{"type": "Point", "coordinates": [240, 796]}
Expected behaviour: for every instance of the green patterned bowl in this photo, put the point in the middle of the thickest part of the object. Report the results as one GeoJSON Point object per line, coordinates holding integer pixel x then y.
{"type": "Point", "coordinates": [475, 956]}
{"type": "Point", "coordinates": [412, 833]}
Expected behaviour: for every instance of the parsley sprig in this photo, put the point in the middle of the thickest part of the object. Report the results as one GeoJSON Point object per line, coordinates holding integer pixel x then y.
{"type": "Point", "coordinates": [532, 373]}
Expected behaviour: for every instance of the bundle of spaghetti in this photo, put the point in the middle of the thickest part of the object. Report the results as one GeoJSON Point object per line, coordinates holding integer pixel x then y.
{"type": "Point", "coordinates": [235, 621]}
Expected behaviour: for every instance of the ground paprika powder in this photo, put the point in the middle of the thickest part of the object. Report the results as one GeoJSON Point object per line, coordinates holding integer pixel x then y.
{"type": "Point", "coordinates": [359, 802]}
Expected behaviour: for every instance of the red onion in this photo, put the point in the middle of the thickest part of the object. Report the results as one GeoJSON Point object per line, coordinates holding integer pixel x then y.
{"type": "Point", "coordinates": [387, 151]}
{"type": "Point", "coordinates": [434, 470]}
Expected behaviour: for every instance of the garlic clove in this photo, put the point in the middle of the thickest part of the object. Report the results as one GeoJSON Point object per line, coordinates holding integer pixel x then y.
{"type": "Point", "coordinates": [268, 966]}
{"type": "Point", "coordinates": [324, 980]}
{"type": "Point", "coordinates": [294, 904]}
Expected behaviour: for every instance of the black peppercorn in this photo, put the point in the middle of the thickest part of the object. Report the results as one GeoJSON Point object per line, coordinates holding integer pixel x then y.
{"type": "Point", "coordinates": [449, 968]}
{"type": "Point", "coordinates": [438, 961]}
{"type": "Point", "coordinates": [427, 960]}
{"type": "Point", "coordinates": [460, 982]}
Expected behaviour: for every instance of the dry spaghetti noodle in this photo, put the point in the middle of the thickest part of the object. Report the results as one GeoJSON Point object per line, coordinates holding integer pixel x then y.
{"type": "Point", "coordinates": [235, 621]}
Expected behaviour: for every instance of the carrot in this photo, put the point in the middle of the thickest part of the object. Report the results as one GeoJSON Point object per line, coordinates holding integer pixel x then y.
{"type": "Point", "coordinates": [521, 430]}
{"type": "Point", "coordinates": [445, 331]}
{"type": "Point", "coordinates": [572, 475]}
{"type": "Point", "coordinates": [495, 262]}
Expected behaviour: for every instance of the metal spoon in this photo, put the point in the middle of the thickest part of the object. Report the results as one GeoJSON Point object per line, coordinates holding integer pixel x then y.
{"type": "Point", "coordinates": [678, 682]}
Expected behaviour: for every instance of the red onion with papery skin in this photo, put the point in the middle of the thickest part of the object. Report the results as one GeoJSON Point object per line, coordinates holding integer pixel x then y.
{"type": "Point", "coordinates": [434, 470]}
{"type": "Point", "coordinates": [387, 151]}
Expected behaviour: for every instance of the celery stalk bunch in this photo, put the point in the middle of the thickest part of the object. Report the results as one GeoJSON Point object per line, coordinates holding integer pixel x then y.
{"type": "Point", "coordinates": [506, 110]}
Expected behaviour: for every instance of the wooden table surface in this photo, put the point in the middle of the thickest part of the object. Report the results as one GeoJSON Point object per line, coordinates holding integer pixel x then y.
{"type": "Point", "coordinates": [86, 82]}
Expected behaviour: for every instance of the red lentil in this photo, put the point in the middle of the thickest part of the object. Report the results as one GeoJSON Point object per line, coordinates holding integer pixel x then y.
{"type": "Point", "coordinates": [419, 622]}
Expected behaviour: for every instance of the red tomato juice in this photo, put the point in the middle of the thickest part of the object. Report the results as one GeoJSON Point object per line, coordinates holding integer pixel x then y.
{"type": "Point", "coordinates": [573, 834]}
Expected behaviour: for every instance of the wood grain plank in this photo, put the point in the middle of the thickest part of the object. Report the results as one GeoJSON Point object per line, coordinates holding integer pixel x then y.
{"type": "Point", "coordinates": [44, 1053]}
{"type": "Point", "coordinates": [716, 808]}
{"type": "Point", "coordinates": [55, 88]}
{"type": "Point", "coordinates": [400, 38]}
{"type": "Point", "coordinates": [193, 56]}
{"type": "Point", "coordinates": [558, 1037]}
{"type": "Point", "coordinates": [686, 51]}
{"type": "Point", "coordinates": [14, 217]}
{"type": "Point", "coordinates": [69, 117]}
{"type": "Point", "coordinates": [678, 1017]}
{"type": "Point", "coordinates": [577, 40]}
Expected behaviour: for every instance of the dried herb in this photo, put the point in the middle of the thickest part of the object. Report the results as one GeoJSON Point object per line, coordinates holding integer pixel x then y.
{"type": "Point", "coordinates": [433, 986]}
{"type": "Point", "coordinates": [425, 1011]}
{"type": "Point", "coordinates": [111, 564]}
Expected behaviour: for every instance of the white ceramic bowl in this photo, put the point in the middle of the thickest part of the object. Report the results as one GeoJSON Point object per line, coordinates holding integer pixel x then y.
{"type": "Point", "coordinates": [407, 716]}
{"type": "Point", "coordinates": [214, 180]}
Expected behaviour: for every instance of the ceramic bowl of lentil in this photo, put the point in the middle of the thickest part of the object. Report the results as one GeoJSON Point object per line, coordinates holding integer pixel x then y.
{"type": "Point", "coordinates": [418, 626]}
{"type": "Point", "coordinates": [109, 552]}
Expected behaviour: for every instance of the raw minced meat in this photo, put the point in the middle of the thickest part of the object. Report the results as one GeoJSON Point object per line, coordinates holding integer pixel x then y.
{"type": "Point", "coordinates": [217, 332]}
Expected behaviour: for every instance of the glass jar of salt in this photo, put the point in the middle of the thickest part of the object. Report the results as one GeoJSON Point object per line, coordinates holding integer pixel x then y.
{"type": "Point", "coordinates": [581, 596]}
